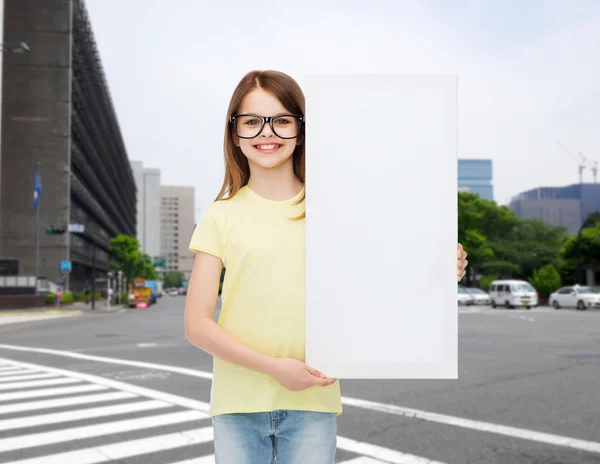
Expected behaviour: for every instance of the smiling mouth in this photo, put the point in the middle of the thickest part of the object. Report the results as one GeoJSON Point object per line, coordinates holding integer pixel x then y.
{"type": "Point", "coordinates": [268, 147]}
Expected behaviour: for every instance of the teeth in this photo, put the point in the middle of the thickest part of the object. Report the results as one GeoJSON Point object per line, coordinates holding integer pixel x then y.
{"type": "Point", "coordinates": [267, 147]}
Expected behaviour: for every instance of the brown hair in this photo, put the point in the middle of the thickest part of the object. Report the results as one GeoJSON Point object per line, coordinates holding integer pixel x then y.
{"type": "Point", "coordinates": [289, 93]}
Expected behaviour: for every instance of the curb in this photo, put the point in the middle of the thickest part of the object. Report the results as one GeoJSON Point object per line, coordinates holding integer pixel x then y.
{"type": "Point", "coordinates": [40, 313]}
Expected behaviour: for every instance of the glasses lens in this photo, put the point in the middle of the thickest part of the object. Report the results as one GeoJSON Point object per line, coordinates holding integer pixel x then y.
{"type": "Point", "coordinates": [286, 127]}
{"type": "Point", "coordinates": [247, 126]}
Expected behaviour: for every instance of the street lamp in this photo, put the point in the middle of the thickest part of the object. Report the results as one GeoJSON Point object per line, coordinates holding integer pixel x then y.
{"type": "Point", "coordinates": [15, 47]}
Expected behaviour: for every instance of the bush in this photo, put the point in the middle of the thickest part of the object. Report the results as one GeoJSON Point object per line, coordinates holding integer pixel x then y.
{"type": "Point", "coordinates": [80, 297]}
{"type": "Point", "coordinates": [97, 296]}
{"type": "Point", "coordinates": [486, 282]}
{"type": "Point", "coordinates": [124, 298]}
{"type": "Point", "coordinates": [67, 298]}
{"type": "Point", "coordinates": [545, 280]}
{"type": "Point", "coordinates": [50, 299]}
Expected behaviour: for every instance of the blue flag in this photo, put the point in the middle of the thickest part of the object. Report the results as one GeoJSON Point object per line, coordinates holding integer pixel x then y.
{"type": "Point", "coordinates": [37, 188]}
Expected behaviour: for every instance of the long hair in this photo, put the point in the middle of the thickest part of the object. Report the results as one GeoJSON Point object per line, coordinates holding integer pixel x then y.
{"type": "Point", "coordinates": [289, 93]}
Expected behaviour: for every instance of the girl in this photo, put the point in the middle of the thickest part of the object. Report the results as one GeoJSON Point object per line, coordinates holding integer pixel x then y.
{"type": "Point", "coordinates": [266, 403]}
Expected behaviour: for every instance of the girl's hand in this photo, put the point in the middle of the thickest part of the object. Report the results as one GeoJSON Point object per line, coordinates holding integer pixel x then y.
{"type": "Point", "coordinates": [461, 262]}
{"type": "Point", "coordinates": [296, 375]}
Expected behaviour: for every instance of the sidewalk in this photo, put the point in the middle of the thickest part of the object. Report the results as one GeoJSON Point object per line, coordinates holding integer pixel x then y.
{"type": "Point", "coordinates": [78, 307]}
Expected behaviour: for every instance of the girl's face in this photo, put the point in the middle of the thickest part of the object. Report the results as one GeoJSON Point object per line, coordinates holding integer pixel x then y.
{"type": "Point", "coordinates": [266, 150]}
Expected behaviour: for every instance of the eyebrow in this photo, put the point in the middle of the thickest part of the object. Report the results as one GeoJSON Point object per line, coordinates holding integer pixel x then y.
{"type": "Point", "coordinates": [274, 116]}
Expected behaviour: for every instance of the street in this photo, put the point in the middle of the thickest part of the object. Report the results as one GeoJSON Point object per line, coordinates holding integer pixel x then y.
{"type": "Point", "coordinates": [127, 387]}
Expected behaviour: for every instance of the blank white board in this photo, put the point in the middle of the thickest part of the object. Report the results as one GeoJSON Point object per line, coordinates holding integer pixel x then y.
{"type": "Point", "coordinates": [381, 226]}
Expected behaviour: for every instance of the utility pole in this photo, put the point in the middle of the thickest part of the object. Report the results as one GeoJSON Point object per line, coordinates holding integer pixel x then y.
{"type": "Point", "coordinates": [93, 276]}
{"type": "Point", "coordinates": [36, 202]}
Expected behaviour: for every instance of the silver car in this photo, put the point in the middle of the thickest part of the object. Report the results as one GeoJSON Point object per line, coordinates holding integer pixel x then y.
{"type": "Point", "coordinates": [579, 297]}
{"type": "Point", "coordinates": [479, 296]}
{"type": "Point", "coordinates": [464, 297]}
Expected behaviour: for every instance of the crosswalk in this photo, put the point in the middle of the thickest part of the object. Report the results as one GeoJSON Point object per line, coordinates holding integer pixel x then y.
{"type": "Point", "coordinates": [54, 416]}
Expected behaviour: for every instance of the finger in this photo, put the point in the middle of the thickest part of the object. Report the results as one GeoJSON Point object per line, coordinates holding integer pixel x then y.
{"type": "Point", "coordinates": [314, 372]}
{"type": "Point", "coordinates": [459, 250]}
{"type": "Point", "coordinates": [464, 264]}
{"type": "Point", "coordinates": [322, 382]}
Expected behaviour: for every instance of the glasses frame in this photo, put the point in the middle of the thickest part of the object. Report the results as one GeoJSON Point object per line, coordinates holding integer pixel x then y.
{"type": "Point", "coordinates": [267, 119]}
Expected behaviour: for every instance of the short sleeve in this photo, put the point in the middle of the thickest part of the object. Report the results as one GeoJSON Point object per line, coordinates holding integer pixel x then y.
{"type": "Point", "coordinates": [206, 236]}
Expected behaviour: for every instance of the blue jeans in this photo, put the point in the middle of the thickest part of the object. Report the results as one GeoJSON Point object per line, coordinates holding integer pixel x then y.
{"type": "Point", "coordinates": [283, 436]}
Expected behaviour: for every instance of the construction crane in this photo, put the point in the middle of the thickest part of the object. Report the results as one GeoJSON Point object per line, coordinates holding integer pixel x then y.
{"type": "Point", "coordinates": [580, 159]}
{"type": "Point", "coordinates": [595, 171]}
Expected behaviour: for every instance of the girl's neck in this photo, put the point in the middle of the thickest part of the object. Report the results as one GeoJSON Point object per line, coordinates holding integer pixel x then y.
{"type": "Point", "coordinates": [275, 184]}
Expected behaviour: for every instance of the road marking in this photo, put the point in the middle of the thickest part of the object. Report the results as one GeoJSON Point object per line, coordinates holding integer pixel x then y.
{"type": "Point", "coordinates": [126, 449]}
{"type": "Point", "coordinates": [26, 377]}
{"type": "Point", "coordinates": [113, 428]}
{"type": "Point", "coordinates": [61, 402]}
{"type": "Point", "coordinates": [10, 370]}
{"type": "Point", "coordinates": [385, 454]}
{"type": "Point", "coordinates": [520, 433]}
{"type": "Point", "coordinates": [146, 345]}
{"type": "Point", "coordinates": [90, 413]}
{"type": "Point", "coordinates": [20, 395]}
{"type": "Point", "coordinates": [364, 460]}
{"type": "Point", "coordinates": [122, 362]}
{"type": "Point", "coordinates": [98, 430]}
{"type": "Point", "coordinates": [36, 383]}
{"type": "Point", "coordinates": [523, 434]}
{"type": "Point", "coordinates": [201, 460]}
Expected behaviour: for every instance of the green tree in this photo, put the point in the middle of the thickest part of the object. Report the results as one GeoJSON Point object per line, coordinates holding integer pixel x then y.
{"type": "Point", "coordinates": [482, 229]}
{"type": "Point", "coordinates": [173, 280]}
{"type": "Point", "coordinates": [501, 244]}
{"type": "Point", "coordinates": [145, 267]}
{"type": "Point", "coordinates": [129, 259]}
{"type": "Point", "coordinates": [546, 280]}
{"type": "Point", "coordinates": [581, 250]}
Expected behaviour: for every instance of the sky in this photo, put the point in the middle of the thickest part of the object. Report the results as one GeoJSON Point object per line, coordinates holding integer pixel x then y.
{"type": "Point", "coordinates": [528, 74]}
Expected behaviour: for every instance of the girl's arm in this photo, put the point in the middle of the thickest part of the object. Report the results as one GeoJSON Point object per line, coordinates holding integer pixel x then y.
{"type": "Point", "coordinates": [203, 332]}
{"type": "Point", "coordinates": [200, 328]}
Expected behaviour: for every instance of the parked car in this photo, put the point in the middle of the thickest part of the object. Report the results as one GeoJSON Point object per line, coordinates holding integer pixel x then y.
{"type": "Point", "coordinates": [479, 296]}
{"type": "Point", "coordinates": [464, 298]}
{"type": "Point", "coordinates": [580, 297]}
{"type": "Point", "coordinates": [513, 293]}
{"type": "Point", "coordinates": [173, 292]}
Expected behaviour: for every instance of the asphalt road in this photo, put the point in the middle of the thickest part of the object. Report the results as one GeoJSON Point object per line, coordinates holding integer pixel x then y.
{"type": "Point", "coordinates": [127, 387]}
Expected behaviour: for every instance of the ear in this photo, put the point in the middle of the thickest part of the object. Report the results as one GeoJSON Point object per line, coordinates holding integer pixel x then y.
{"type": "Point", "coordinates": [300, 139]}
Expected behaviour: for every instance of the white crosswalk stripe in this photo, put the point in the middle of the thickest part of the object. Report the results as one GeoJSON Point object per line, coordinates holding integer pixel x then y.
{"type": "Point", "coordinates": [47, 407]}
{"type": "Point", "coordinates": [12, 378]}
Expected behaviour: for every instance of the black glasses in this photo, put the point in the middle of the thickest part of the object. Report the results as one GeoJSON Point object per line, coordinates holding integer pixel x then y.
{"type": "Point", "coordinates": [284, 126]}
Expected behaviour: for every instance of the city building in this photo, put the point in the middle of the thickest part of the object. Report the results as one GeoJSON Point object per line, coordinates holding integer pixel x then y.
{"type": "Point", "coordinates": [560, 206]}
{"type": "Point", "coordinates": [177, 215]}
{"type": "Point", "coordinates": [57, 111]}
{"type": "Point", "coordinates": [147, 181]}
{"type": "Point", "coordinates": [475, 176]}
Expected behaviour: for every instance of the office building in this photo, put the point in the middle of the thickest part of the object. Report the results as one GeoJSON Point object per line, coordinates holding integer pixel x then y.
{"type": "Point", "coordinates": [475, 176]}
{"type": "Point", "coordinates": [560, 206]}
{"type": "Point", "coordinates": [147, 181]}
{"type": "Point", "coordinates": [177, 226]}
{"type": "Point", "coordinates": [57, 110]}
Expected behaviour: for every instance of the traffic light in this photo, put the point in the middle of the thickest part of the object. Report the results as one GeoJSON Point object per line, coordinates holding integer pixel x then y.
{"type": "Point", "coordinates": [52, 230]}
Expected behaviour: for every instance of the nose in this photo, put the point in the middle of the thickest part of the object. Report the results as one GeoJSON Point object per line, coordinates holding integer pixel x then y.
{"type": "Point", "coordinates": [267, 131]}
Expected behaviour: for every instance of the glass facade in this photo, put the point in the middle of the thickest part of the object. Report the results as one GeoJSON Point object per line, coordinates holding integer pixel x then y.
{"type": "Point", "coordinates": [475, 176]}
{"type": "Point", "coordinates": [585, 196]}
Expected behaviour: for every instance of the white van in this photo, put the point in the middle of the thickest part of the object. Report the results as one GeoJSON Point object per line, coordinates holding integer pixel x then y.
{"type": "Point", "coordinates": [513, 293]}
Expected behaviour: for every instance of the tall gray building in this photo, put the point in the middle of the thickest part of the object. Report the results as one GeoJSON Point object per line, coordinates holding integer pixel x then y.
{"type": "Point", "coordinates": [148, 208]}
{"type": "Point", "coordinates": [177, 226]}
{"type": "Point", "coordinates": [57, 110]}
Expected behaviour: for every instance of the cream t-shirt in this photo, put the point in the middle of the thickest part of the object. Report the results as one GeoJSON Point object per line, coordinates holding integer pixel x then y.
{"type": "Point", "coordinates": [263, 300]}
